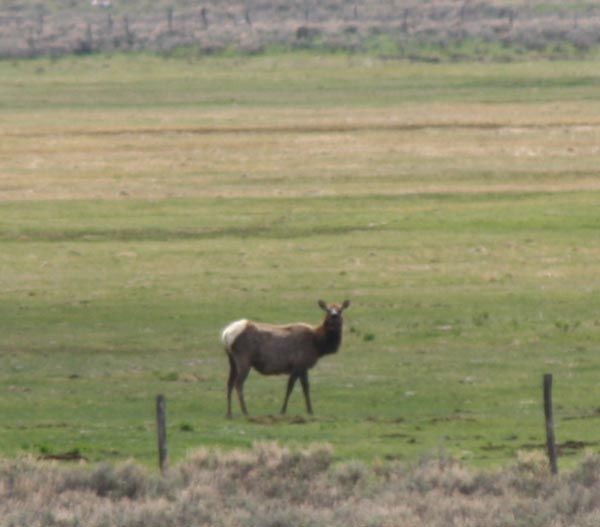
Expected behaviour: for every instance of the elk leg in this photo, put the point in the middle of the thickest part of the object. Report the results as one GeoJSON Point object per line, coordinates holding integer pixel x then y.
{"type": "Point", "coordinates": [230, 383]}
{"type": "Point", "coordinates": [239, 386]}
{"type": "Point", "coordinates": [306, 390]}
{"type": "Point", "coordinates": [290, 387]}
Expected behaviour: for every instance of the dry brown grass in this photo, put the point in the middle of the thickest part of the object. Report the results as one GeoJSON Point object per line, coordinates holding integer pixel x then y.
{"type": "Point", "coordinates": [401, 150]}
{"type": "Point", "coordinates": [274, 486]}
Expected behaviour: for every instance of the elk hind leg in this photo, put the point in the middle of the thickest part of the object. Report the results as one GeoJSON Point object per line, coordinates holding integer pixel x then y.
{"type": "Point", "coordinates": [242, 373]}
{"type": "Point", "coordinates": [230, 384]}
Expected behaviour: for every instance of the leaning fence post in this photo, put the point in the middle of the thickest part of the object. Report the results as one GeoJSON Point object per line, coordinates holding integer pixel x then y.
{"type": "Point", "coordinates": [550, 441]}
{"type": "Point", "coordinates": [161, 427]}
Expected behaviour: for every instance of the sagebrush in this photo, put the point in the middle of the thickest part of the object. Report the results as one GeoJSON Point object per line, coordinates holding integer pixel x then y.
{"type": "Point", "coordinates": [414, 30]}
{"type": "Point", "coordinates": [274, 486]}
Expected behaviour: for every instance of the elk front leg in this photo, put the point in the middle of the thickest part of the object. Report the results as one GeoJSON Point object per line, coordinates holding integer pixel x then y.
{"type": "Point", "coordinates": [306, 390]}
{"type": "Point", "coordinates": [290, 387]}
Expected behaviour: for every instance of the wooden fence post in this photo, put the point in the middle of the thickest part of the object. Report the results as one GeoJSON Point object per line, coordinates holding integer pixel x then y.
{"type": "Point", "coordinates": [170, 19]}
{"type": "Point", "coordinates": [550, 440]}
{"type": "Point", "coordinates": [161, 426]}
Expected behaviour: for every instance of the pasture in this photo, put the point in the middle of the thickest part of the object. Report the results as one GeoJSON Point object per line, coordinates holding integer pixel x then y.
{"type": "Point", "coordinates": [146, 202]}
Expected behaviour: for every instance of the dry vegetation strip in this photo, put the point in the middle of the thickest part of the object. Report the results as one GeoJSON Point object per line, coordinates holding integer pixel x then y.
{"type": "Point", "coordinates": [271, 486]}
{"type": "Point", "coordinates": [303, 153]}
{"type": "Point", "coordinates": [436, 30]}
{"type": "Point", "coordinates": [327, 127]}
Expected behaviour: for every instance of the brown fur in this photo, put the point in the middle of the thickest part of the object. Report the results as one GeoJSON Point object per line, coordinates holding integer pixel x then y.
{"type": "Point", "coordinates": [273, 350]}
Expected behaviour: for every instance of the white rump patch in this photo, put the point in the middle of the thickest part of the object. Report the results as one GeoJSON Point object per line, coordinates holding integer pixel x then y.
{"type": "Point", "coordinates": [232, 332]}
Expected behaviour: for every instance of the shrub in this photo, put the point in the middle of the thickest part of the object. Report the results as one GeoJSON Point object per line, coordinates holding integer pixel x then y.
{"type": "Point", "coordinates": [274, 486]}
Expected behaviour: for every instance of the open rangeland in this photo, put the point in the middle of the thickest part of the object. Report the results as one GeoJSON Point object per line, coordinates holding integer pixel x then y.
{"type": "Point", "coordinates": [145, 203]}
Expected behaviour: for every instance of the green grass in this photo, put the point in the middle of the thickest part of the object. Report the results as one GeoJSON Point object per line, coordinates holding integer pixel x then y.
{"type": "Point", "coordinates": [146, 203]}
{"type": "Point", "coordinates": [288, 80]}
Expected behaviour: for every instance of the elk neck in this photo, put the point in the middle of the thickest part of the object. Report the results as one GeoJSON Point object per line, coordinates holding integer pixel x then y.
{"type": "Point", "coordinates": [328, 338]}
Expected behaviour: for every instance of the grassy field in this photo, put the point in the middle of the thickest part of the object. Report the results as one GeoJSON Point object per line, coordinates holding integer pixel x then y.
{"type": "Point", "coordinates": [145, 203]}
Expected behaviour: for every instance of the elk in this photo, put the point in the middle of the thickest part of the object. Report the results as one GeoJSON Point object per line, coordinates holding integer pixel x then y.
{"type": "Point", "coordinates": [291, 349]}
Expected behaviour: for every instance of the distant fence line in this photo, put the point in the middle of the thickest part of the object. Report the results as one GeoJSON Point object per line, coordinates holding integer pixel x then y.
{"type": "Point", "coordinates": [252, 25]}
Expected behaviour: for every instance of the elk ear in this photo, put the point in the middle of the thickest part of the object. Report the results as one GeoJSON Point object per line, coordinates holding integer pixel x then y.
{"type": "Point", "coordinates": [346, 304]}
{"type": "Point", "coordinates": [322, 305]}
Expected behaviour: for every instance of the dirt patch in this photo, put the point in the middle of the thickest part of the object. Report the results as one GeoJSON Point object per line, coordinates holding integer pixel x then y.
{"type": "Point", "coordinates": [268, 420]}
{"type": "Point", "coordinates": [452, 418]}
{"type": "Point", "coordinates": [565, 448]}
{"type": "Point", "coordinates": [390, 421]}
{"type": "Point", "coordinates": [64, 456]}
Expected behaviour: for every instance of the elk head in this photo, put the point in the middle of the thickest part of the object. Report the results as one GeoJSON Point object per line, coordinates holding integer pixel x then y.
{"type": "Point", "coordinates": [333, 318]}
